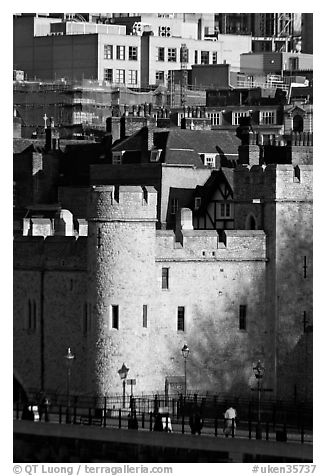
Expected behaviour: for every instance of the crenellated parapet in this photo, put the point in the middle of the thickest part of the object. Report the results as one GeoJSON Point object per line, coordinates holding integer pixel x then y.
{"type": "Point", "coordinates": [122, 203]}
{"type": "Point", "coordinates": [273, 182]}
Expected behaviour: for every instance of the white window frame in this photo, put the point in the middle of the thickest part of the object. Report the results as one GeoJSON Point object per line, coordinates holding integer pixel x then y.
{"type": "Point", "coordinates": [105, 75]}
{"type": "Point", "coordinates": [155, 155]}
{"type": "Point", "coordinates": [267, 117]}
{"type": "Point", "coordinates": [133, 53]}
{"type": "Point", "coordinates": [118, 73]}
{"type": "Point", "coordinates": [172, 55]}
{"type": "Point", "coordinates": [236, 115]}
{"type": "Point", "coordinates": [121, 52]}
{"type": "Point", "coordinates": [133, 76]}
{"type": "Point", "coordinates": [159, 73]}
{"type": "Point", "coordinates": [108, 52]}
{"type": "Point", "coordinates": [214, 57]}
{"type": "Point", "coordinates": [215, 118]}
{"type": "Point", "coordinates": [158, 50]}
{"type": "Point", "coordinates": [202, 56]}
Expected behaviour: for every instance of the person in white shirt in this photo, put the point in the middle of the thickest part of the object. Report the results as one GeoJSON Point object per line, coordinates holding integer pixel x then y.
{"type": "Point", "coordinates": [229, 421]}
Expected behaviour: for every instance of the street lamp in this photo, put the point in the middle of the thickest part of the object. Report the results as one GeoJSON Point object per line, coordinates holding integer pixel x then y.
{"type": "Point", "coordinates": [69, 358]}
{"type": "Point", "coordinates": [259, 371]}
{"type": "Point", "coordinates": [123, 372]}
{"type": "Point", "coordinates": [185, 353]}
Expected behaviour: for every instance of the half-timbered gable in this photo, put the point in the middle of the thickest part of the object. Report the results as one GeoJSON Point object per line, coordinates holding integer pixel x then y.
{"type": "Point", "coordinates": [213, 202]}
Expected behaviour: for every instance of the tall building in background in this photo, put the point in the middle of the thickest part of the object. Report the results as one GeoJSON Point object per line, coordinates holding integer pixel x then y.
{"type": "Point", "coordinates": [307, 32]}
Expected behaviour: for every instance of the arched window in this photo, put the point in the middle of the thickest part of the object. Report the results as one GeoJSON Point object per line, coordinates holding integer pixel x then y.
{"type": "Point", "coordinates": [251, 223]}
{"type": "Point", "coordinates": [298, 123]}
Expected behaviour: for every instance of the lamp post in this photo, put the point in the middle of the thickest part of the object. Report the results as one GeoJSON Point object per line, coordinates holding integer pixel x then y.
{"type": "Point", "coordinates": [185, 353]}
{"type": "Point", "coordinates": [123, 372]}
{"type": "Point", "coordinates": [259, 371]}
{"type": "Point", "coordinates": [69, 358]}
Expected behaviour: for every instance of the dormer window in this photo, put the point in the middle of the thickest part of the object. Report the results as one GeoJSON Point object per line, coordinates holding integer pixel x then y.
{"type": "Point", "coordinates": [155, 155]}
{"type": "Point", "coordinates": [208, 160]}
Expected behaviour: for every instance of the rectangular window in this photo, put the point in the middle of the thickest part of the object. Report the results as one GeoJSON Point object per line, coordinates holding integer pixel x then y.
{"type": "Point", "coordinates": [145, 315]}
{"type": "Point", "coordinates": [172, 55]}
{"type": "Point", "coordinates": [120, 52]}
{"type": "Point", "coordinates": [31, 315]}
{"type": "Point", "coordinates": [160, 54]}
{"type": "Point", "coordinates": [215, 118]}
{"type": "Point", "coordinates": [133, 53]}
{"type": "Point", "coordinates": [209, 161]}
{"type": "Point", "coordinates": [237, 115]}
{"type": "Point", "coordinates": [108, 75]}
{"type": "Point", "coordinates": [225, 210]}
{"type": "Point", "coordinates": [159, 76]}
{"type": "Point", "coordinates": [120, 76]}
{"type": "Point", "coordinates": [132, 76]}
{"type": "Point", "coordinates": [196, 57]}
{"type": "Point", "coordinates": [204, 57]}
{"type": "Point", "coordinates": [165, 278]}
{"type": "Point", "coordinates": [267, 117]}
{"type": "Point", "coordinates": [115, 317]}
{"type": "Point", "coordinates": [184, 54]}
{"type": "Point", "coordinates": [108, 52]}
{"type": "Point", "coordinates": [174, 206]}
{"type": "Point", "coordinates": [181, 318]}
{"type": "Point", "coordinates": [242, 317]}
{"type": "Point", "coordinates": [197, 202]}
{"type": "Point", "coordinates": [214, 58]}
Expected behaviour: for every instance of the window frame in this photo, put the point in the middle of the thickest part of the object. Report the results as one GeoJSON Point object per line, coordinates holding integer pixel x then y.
{"type": "Point", "coordinates": [165, 278]}
{"type": "Point", "coordinates": [181, 319]}
{"type": "Point", "coordinates": [204, 57]}
{"type": "Point", "coordinates": [243, 317]}
{"type": "Point", "coordinates": [117, 76]}
{"type": "Point", "coordinates": [159, 55]}
{"type": "Point", "coordinates": [108, 52]}
{"type": "Point", "coordinates": [133, 53]}
{"type": "Point", "coordinates": [172, 55]}
{"type": "Point", "coordinates": [105, 75]}
{"type": "Point", "coordinates": [131, 73]}
{"type": "Point", "coordinates": [145, 316]}
{"type": "Point", "coordinates": [121, 52]}
{"type": "Point", "coordinates": [115, 316]}
{"type": "Point", "coordinates": [225, 210]}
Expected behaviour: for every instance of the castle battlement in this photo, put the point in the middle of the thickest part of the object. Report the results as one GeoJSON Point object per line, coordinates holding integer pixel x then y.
{"type": "Point", "coordinates": [209, 245]}
{"type": "Point", "coordinates": [122, 203]}
{"type": "Point", "coordinates": [273, 182]}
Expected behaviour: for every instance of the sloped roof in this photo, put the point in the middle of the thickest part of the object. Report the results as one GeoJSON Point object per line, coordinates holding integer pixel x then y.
{"type": "Point", "coordinates": [133, 142]}
{"type": "Point", "coordinates": [207, 190]}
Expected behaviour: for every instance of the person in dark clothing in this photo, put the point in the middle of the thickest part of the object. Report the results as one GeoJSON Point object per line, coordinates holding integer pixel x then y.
{"type": "Point", "coordinates": [158, 424]}
{"type": "Point", "coordinates": [196, 423]}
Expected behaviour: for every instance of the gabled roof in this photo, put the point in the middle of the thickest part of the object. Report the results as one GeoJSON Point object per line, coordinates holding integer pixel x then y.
{"type": "Point", "coordinates": [206, 191]}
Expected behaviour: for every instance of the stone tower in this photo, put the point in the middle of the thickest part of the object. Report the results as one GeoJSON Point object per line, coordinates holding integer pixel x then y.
{"type": "Point", "coordinates": [121, 272]}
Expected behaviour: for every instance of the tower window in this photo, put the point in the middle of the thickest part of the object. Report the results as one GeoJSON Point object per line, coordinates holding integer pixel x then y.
{"type": "Point", "coordinates": [165, 278]}
{"type": "Point", "coordinates": [242, 317]}
{"type": "Point", "coordinates": [115, 317]}
{"type": "Point", "coordinates": [31, 316]}
{"type": "Point", "coordinates": [145, 315]}
{"type": "Point", "coordinates": [181, 318]}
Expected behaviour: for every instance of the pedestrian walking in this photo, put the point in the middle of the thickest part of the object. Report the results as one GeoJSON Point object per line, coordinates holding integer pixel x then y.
{"type": "Point", "coordinates": [158, 424]}
{"type": "Point", "coordinates": [229, 421]}
{"type": "Point", "coordinates": [167, 425]}
{"type": "Point", "coordinates": [196, 422]}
